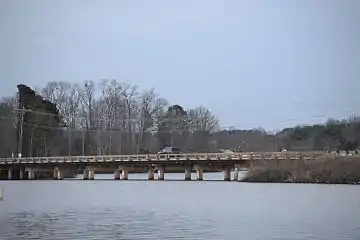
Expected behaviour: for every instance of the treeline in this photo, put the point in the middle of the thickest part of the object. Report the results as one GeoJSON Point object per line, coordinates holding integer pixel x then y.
{"type": "Point", "coordinates": [334, 135]}
{"type": "Point", "coordinates": [112, 117]}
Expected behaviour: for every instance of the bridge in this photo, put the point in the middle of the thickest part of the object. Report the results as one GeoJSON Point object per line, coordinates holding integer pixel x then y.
{"type": "Point", "coordinates": [122, 165]}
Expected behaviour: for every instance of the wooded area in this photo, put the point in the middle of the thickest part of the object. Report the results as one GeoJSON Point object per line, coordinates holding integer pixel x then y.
{"type": "Point", "coordinates": [112, 117]}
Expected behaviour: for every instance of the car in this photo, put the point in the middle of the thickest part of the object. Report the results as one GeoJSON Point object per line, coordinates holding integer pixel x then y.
{"type": "Point", "coordinates": [170, 150]}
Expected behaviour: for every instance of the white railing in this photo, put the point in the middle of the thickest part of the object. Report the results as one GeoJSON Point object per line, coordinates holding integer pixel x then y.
{"type": "Point", "coordinates": [163, 157]}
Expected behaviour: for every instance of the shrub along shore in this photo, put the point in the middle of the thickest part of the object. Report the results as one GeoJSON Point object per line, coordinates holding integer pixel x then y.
{"type": "Point", "coordinates": [330, 169]}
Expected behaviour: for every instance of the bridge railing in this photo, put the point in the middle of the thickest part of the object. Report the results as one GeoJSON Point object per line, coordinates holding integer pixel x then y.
{"type": "Point", "coordinates": [165, 157]}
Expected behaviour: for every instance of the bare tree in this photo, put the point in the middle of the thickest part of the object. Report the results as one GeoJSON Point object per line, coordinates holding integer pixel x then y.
{"type": "Point", "coordinates": [202, 124]}
{"type": "Point", "coordinates": [87, 100]}
{"type": "Point", "coordinates": [57, 92]}
{"type": "Point", "coordinates": [151, 106]}
{"type": "Point", "coordinates": [130, 96]}
{"type": "Point", "coordinates": [201, 119]}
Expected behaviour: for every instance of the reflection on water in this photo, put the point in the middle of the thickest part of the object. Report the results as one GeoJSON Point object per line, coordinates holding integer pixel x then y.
{"type": "Point", "coordinates": [177, 210]}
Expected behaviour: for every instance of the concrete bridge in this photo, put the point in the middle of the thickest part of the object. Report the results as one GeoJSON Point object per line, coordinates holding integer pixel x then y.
{"type": "Point", "coordinates": [122, 165]}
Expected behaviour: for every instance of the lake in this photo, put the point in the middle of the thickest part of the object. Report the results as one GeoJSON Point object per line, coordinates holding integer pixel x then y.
{"type": "Point", "coordinates": [109, 209]}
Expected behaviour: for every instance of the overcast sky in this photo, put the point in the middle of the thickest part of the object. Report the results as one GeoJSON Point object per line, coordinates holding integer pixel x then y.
{"type": "Point", "coordinates": [268, 63]}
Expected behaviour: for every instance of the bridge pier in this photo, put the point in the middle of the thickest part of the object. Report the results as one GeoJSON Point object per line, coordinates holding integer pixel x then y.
{"type": "Point", "coordinates": [150, 173]}
{"type": "Point", "coordinates": [10, 174]}
{"type": "Point", "coordinates": [31, 174]}
{"type": "Point", "coordinates": [124, 173]}
{"type": "Point", "coordinates": [160, 172]}
{"type": "Point", "coordinates": [199, 173]}
{"type": "Point", "coordinates": [85, 174]}
{"type": "Point", "coordinates": [236, 172]}
{"type": "Point", "coordinates": [55, 173]}
{"type": "Point", "coordinates": [188, 173]}
{"type": "Point", "coordinates": [227, 173]}
{"type": "Point", "coordinates": [89, 174]}
{"type": "Point", "coordinates": [21, 174]}
{"type": "Point", "coordinates": [117, 174]}
{"type": "Point", "coordinates": [58, 174]}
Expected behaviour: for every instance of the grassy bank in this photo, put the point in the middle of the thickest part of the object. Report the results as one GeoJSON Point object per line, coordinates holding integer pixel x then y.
{"type": "Point", "coordinates": [325, 169]}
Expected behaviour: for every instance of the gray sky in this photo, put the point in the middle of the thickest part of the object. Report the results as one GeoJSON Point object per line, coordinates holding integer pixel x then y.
{"type": "Point", "coordinates": [268, 63]}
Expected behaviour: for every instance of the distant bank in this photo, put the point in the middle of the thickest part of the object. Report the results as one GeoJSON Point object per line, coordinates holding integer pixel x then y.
{"type": "Point", "coordinates": [330, 168]}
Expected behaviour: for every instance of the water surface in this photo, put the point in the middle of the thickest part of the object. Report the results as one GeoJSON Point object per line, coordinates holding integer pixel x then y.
{"type": "Point", "coordinates": [76, 209]}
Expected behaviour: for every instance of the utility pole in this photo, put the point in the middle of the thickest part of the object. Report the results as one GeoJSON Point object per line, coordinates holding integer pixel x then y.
{"type": "Point", "coordinates": [21, 131]}
{"type": "Point", "coordinates": [69, 141]}
{"type": "Point", "coordinates": [110, 140]}
{"type": "Point", "coordinates": [120, 144]}
{"type": "Point", "coordinates": [83, 142]}
{"type": "Point", "coordinates": [172, 130]}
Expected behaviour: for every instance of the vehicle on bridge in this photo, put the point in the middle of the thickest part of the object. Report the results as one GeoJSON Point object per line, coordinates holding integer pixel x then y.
{"type": "Point", "coordinates": [170, 150]}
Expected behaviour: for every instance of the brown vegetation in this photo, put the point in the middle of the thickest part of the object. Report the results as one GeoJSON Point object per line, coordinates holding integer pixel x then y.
{"type": "Point", "coordinates": [329, 168]}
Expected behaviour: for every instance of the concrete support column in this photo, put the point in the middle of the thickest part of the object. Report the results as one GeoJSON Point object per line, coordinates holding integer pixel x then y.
{"type": "Point", "coordinates": [199, 173]}
{"type": "Point", "coordinates": [161, 172]}
{"type": "Point", "coordinates": [91, 173]}
{"type": "Point", "coordinates": [124, 174]}
{"type": "Point", "coordinates": [9, 174]}
{"type": "Point", "coordinates": [227, 174]}
{"type": "Point", "coordinates": [150, 173]}
{"type": "Point", "coordinates": [21, 174]}
{"type": "Point", "coordinates": [31, 174]}
{"type": "Point", "coordinates": [117, 174]}
{"type": "Point", "coordinates": [236, 172]}
{"type": "Point", "coordinates": [55, 173]}
{"type": "Point", "coordinates": [188, 173]}
{"type": "Point", "coordinates": [58, 174]}
{"type": "Point", "coordinates": [86, 174]}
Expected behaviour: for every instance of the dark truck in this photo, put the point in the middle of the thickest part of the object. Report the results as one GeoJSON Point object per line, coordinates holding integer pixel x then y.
{"type": "Point", "coordinates": [170, 150]}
